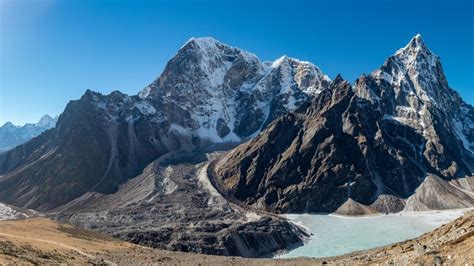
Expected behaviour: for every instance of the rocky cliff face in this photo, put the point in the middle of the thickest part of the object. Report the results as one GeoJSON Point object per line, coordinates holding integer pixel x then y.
{"type": "Point", "coordinates": [411, 89]}
{"type": "Point", "coordinates": [223, 94]}
{"type": "Point", "coordinates": [11, 135]}
{"type": "Point", "coordinates": [127, 165]}
{"type": "Point", "coordinates": [98, 143]}
{"type": "Point", "coordinates": [381, 138]}
{"type": "Point", "coordinates": [172, 206]}
{"type": "Point", "coordinates": [322, 143]}
{"type": "Point", "coordinates": [208, 92]}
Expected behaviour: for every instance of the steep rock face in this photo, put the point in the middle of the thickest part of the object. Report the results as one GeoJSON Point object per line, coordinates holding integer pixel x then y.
{"type": "Point", "coordinates": [411, 89]}
{"type": "Point", "coordinates": [304, 161]}
{"type": "Point", "coordinates": [208, 92]}
{"type": "Point", "coordinates": [11, 135]}
{"type": "Point", "coordinates": [221, 93]}
{"type": "Point", "coordinates": [171, 206]}
{"type": "Point", "coordinates": [99, 142]}
{"type": "Point", "coordinates": [400, 123]}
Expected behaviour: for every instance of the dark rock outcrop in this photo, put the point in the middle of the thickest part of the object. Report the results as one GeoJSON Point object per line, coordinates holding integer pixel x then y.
{"type": "Point", "coordinates": [172, 206]}
{"type": "Point", "coordinates": [209, 92]}
{"type": "Point", "coordinates": [388, 203]}
{"type": "Point", "coordinates": [381, 138]}
{"type": "Point", "coordinates": [98, 143]}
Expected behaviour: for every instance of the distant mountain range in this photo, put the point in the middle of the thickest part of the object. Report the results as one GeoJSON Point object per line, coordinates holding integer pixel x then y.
{"type": "Point", "coordinates": [220, 139]}
{"type": "Point", "coordinates": [12, 135]}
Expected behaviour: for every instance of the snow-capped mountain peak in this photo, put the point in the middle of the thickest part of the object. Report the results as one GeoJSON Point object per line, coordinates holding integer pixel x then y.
{"type": "Point", "coordinates": [280, 61]}
{"type": "Point", "coordinates": [416, 44]}
{"type": "Point", "coordinates": [414, 72]}
{"type": "Point", "coordinates": [46, 121]}
{"type": "Point", "coordinates": [9, 125]}
{"type": "Point", "coordinates": [12, 135]}
{"type": "Point", "coordinates": [417, 56]}
{"type": "Point", "coordinates": [212, 47]}
{"type": "Point", "coordinates": [410, 89]}
{"type": "Point", "coordinates": [304, 76]}
{"type": "Point", "coordinates": [218, 88]}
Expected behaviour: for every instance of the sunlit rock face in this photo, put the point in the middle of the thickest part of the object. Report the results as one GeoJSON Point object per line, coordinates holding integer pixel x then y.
{"type": "Point", "coordinates": [208, 93]}
{"type": "Point", "coordinates": [411, 89]}
{"type": "Point", "coordinates": [222, 94]}
{"type": "Point", "coordinates": [382, 137]}
{"type": "Point", "coordinates": [317, 142]}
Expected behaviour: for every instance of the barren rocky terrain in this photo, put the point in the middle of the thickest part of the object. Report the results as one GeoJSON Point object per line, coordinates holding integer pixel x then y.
{"type": "Point", "coordinates": [41, 241]}
{"type": "Point", "coordinates": [202, 158]}
{"type": "Point", "coordinates": [172, 205]}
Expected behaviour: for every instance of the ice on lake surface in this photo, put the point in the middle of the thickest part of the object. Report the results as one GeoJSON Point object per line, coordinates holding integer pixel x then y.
{"type": "Point", "coordinates": [336, 235]}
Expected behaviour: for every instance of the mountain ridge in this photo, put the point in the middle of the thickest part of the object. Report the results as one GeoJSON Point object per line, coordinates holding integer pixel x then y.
{"type": "Point", "coordinates": [13, 135]}
{"type": "Point", "coordinates": [253, 95]}
{"type": "Point", "coordinates": [402, 120]}
{"type": "Point", "coordinates": [271, 137]}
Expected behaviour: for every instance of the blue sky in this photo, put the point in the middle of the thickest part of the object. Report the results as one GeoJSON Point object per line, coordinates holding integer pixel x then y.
{"type": "Point", "coordinates": [52, 51]}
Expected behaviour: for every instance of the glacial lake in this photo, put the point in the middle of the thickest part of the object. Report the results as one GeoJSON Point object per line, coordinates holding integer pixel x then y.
{"type": "Point", "coordinates": [336, 235]}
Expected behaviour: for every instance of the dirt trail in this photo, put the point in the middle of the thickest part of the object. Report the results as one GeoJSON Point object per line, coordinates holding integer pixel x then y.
{"type": "Point", "coordinates": [54, 243]}
{"type": "Point", "coordinates": [452, 244]}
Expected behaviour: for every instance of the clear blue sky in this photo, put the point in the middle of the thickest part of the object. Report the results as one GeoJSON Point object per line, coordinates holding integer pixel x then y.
{"type": "Point", "coordinates": [52, 51]}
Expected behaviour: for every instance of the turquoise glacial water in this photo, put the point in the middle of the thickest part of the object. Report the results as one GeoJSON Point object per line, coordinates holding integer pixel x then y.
{"type": "Point", "coordinates": [336, 235]}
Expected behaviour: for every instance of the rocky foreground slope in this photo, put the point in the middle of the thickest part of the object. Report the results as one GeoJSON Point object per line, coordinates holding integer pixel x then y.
{"type": "Point", "coordinates": [100, 164]}
{"type": "Point", "coordinates": [172, 206]}
{"type": "Point", "coordinates": [42, 241]}
{"type": "Point", "coordinates": [373, 144]}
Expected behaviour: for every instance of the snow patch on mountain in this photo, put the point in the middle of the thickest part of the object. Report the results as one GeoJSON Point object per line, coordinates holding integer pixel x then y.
{"type": "Point", "coordinates": [215, 87]}
{"type": "Point", "coordinates": [12, 135]}
{"type": "Point", "coordinates": [412, 71]}
{"type": "Point", "coordinates": [7, 213]}
{"type": "Point", "coordinates": [145, 108]}
{"type": "Point", "coordinates": [464, 128]}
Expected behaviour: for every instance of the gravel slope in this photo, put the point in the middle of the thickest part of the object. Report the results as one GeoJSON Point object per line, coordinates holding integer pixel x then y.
{"type": "Point", "coordinates": [40, 241]}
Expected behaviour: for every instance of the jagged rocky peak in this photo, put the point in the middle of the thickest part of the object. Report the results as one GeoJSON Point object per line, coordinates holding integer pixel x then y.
{"type": "Point", "coordinates": [416, 44]}
{"type": "Point", "coordinates": [410, 88]}
{"type": "Point", "coordinates": [9, 125]}
{"type": "Point", "coordinates": [373, 144]}
{"type": "Point", "coordinates": [220, 93]}
{"type": "Point", "coordinates": [46, 121]}
{"type": "Point", "coordinates": [207, 62]}
{"type": "Point", "coordinates": [309, 78]}
{"type": "Point", "coordinates": [414, 72]}
{"type": "Point", "coordinates": [12, 135]}
{"type": "Point", "coordinates": [117, 107]}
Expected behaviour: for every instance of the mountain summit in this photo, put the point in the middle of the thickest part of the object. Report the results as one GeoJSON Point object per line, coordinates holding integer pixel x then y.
{"type": "Point", "coordinates": [146, 167]}
{"type": "Point", "coordinates": [47, 121]}
{"type": "Point", "coordinates": [208, 93]}
{"type": "Point", "coordinates": [224, 94]}
{"type": "Point", "coordinates": [416, 43]}
{"type": "Point", "coordinates": [11, 135]}
{"type": "Point", "coordinates": [374, 146]}
{"type": "Point", "coordinates": [316, 142]}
